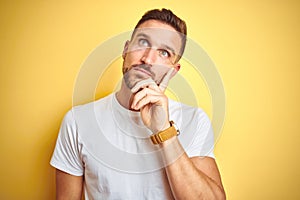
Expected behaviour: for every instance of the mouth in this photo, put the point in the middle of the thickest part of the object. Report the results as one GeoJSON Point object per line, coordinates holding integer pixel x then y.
{"type": "Point", "coordinates": [143, 71]}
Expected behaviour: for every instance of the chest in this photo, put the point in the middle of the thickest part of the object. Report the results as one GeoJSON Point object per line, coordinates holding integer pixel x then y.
{"type": "Point", "coordinates": [110, 183]}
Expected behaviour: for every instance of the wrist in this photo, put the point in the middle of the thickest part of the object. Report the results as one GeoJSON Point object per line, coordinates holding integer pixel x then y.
{"type": "Point", "coordinates": [169, 132]}
{"type": "Point", "coordinates": [169, 141]}
{"type": "Point", "coordinates": [163, 127]}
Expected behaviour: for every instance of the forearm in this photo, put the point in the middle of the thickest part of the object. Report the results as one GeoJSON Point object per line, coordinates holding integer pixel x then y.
{"type": "Point", "coordinates": [185, 179]}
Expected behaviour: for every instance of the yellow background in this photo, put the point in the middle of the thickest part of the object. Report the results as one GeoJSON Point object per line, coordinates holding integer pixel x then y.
{"type": "Point", "coordinates": [254, 44]}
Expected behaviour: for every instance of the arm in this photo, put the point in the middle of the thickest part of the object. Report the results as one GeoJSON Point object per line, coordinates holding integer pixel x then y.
{"type": "Point", "coordinates": [67, 158]}
{"type": "Point", "coordinates": [68, 187]}
{"type": "Point", "coordinates": [191, 178]}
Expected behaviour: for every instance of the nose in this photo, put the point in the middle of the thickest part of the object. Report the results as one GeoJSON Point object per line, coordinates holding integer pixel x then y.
{"type": "Point", "coordinates": [149, 56]}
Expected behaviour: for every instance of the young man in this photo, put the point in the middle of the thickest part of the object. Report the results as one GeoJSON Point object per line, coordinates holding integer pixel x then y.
{"type": "Point", "coordinates": [126, 145]}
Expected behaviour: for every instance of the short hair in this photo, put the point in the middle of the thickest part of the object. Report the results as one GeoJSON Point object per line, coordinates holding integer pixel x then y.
{"type": "Point", "coordinates": [168, 17]}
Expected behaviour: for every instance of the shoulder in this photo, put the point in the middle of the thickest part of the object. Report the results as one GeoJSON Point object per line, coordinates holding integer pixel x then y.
{"type": "Point", "coordinates": [85, 111]}
{"type": "Point", "coordinates": [91, 106]}
{"type": "Point", "coordinates": [187, 111]}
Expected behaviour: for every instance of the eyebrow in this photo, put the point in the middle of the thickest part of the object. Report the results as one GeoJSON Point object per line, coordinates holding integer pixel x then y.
{"type": "Point", "coordinates": [163, 45]}
{"type": "Point", "coordinates": [142, 35]}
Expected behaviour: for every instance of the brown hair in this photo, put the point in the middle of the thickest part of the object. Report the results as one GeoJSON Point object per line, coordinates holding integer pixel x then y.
{"type": "Point", "coordinates": [168, 17]}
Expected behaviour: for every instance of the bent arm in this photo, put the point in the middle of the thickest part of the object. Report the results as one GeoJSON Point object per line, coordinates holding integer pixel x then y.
{"type": "Point", "coordinates": [68, 187]}
{"type": "Point", "coordinates": [191, 178]}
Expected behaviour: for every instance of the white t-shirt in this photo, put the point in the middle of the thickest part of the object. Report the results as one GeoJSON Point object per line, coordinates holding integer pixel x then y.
{"type": "Point", "coordinates": [110, 146]}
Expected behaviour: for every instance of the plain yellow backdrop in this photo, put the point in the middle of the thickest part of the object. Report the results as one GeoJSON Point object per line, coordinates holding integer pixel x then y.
{"type": "Point", "coordinates": [254, 44]}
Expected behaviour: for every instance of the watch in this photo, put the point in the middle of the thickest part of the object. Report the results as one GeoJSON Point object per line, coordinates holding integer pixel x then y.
{"type": "Point", "coordinates": [164, 135]}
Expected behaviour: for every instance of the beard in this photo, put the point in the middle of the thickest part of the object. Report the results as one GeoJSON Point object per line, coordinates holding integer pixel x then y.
{"type": "Point", "coordinates": [132, 77]}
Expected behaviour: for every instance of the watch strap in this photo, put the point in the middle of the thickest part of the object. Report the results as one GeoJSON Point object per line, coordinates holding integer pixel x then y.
{"type": "Point", "coordinates": [164, 135]}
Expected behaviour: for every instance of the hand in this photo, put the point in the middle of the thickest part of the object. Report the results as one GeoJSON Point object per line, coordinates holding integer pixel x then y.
{"type": "Point", "coordinates": [152, 103]}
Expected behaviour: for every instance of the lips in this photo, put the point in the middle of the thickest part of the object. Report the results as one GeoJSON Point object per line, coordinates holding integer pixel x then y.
{"type": "Point", "coordinates": [143, 71]}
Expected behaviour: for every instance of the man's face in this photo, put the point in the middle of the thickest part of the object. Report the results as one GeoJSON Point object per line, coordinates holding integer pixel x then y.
{"type": "Point", "coordinates": [151, 53]}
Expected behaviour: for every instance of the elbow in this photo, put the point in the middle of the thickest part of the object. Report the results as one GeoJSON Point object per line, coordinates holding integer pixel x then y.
{"type": "Point", "coordinates": [221, 195]}
{"type": "Point", "coordinates": [218, 194]}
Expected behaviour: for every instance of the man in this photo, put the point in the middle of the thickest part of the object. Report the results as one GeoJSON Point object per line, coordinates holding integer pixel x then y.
{"type": "Point", "coordinates": [126, 145]}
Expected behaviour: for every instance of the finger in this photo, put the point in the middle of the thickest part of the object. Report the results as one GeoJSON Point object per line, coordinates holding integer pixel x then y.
{"type": "Point", "coordinates": [164, 83]}
{"type": "Point", "coordinates": [153, 99]}
{"type": "Point", "coordinates": [155, 88]}
{"type": "Point", "coordinates": [143, 93]}
{"type": "Point", "coordinates": [142, 84]}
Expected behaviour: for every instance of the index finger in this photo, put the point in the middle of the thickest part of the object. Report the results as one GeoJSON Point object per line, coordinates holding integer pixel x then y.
{"type": "Point", "coordinates": [142, 84]}
{"type": "Point", "coordinates": [164, 83]}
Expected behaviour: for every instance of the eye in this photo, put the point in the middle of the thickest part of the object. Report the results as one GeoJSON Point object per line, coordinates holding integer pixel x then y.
{"type": "Point", "coordinates": [143, 43]}
{"type": "Point", "coordinates": [164, 53]}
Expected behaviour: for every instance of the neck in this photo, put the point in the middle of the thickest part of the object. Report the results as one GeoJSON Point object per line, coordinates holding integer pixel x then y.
{"type": "Point", "coordinates": [123, 96]}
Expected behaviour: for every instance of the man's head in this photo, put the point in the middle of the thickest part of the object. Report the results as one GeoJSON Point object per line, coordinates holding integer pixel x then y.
{"type": "Point", "coordinates": [155, 47]}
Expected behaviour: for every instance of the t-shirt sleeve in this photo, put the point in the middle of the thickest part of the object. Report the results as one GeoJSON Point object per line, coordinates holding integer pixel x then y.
{"type": "Point", "coordinates": [203, 141]}
{"type": "Point", "coordinates": [66, 156]}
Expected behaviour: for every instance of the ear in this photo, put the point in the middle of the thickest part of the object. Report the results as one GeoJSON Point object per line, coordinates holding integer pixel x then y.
{"type": "Point", "coordinates": [125, 49]}
{"type": "Point", "coordinates": [176, 69]}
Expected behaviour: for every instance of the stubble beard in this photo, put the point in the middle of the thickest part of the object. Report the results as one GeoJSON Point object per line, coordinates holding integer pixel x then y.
{"type": "Point", "coordinates": [131, 78]}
